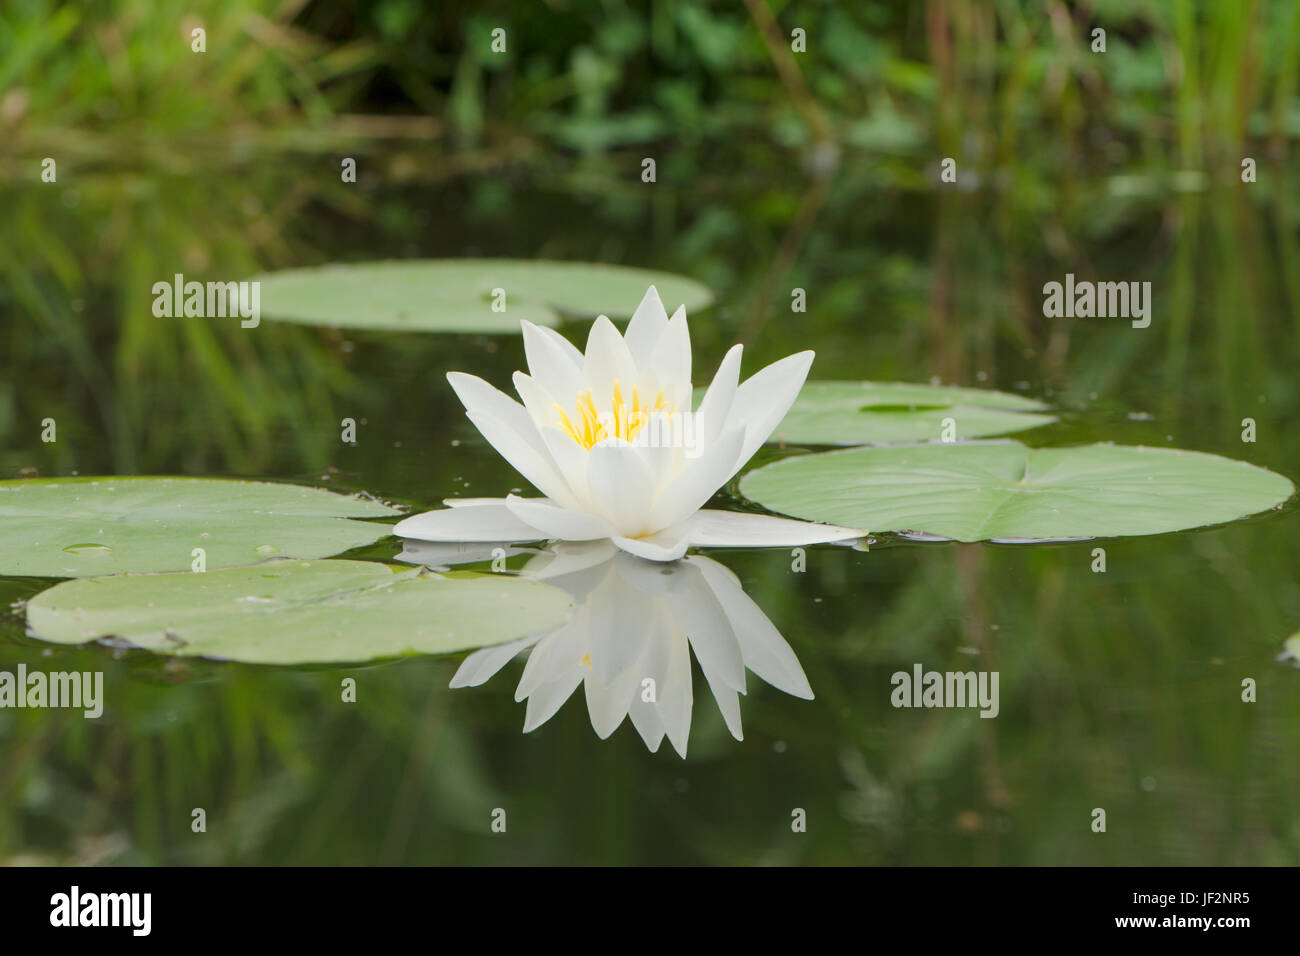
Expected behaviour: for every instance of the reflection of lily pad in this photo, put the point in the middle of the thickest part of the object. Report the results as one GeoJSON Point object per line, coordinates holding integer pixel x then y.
{"type": "Point", "coordinates": [298, 612]}
{"type": "Point", "coordinates": [456, 295]}
{"type": "Point", "coordinates": [867, 413]}
{"type": "Point", "coordinates": [72, 527]}
{"type": "Point", "coordinates": [980, 490]}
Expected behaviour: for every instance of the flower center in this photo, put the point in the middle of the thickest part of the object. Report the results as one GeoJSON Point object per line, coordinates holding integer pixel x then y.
{"type": "Point", "coordinates": [623, 418]}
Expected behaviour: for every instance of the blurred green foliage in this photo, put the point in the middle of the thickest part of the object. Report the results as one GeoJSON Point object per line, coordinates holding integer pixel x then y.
{"type": "Point", "coordinates": [775, 170]}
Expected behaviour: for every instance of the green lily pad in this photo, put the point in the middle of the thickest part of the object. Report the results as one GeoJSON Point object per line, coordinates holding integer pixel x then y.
{"type": "Point", "coordinates": [298, 612]}
{"type": "Point", "coordinates": [976, 491]}
{"type": "Point", "coordinates": [73, 527]}
{"type": "Point", "coordinates": [456, 295]}
{"type": "Point", "coordinates": [870, 413]}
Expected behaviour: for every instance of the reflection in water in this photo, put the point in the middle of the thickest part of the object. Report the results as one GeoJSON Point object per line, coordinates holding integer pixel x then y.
{"type": "Point", "coordinates": [627, 641]}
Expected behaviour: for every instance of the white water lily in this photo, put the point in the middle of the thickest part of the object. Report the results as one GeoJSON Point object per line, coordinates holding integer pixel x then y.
{"type": "Point", "coordinates": [590, 435]}
{"type": "Point", "coordinates": [630, 639]}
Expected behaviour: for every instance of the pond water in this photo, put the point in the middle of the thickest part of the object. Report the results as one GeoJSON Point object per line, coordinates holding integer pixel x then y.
{"type": "Point", "coordinates": [1120, 690]}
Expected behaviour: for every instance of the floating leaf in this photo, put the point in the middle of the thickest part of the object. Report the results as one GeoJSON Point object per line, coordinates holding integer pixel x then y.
{"type": "Point", "coordinates": [868, 413]}
{"type": "Point", "coordinates": [456, 295]}
{"type": "Point", "coordinates": [72, 527]}
{"type": "Point", "coordinates": [298, 612]}
{"type": "Point", "coordinates": [1003, 490]}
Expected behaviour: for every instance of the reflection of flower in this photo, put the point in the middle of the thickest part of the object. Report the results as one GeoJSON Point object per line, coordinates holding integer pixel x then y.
{"type": "Point", "coordinates": [629, 641]}
{"type": "Point", "coordinates": [610, 439]}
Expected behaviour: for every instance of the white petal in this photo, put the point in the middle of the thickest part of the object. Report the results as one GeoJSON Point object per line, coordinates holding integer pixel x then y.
{"type": "Point", "coordinates": [712, 528]}
{"type": "Point", "coordinates": [607, 704]}
{"type": "Point", "coordinates": [716, 404]}
{"type": "Point", "coordinates": [728, 703]}
{"type": "Point", "coordinates": [485, 522]}
{"type": "Point", "coordinates": [549, 698]}
{"type": "Point", "coordinates": [483, 664]}
{"type": "Point", "coordinates": [697, 612]}
{"type": "Point", "coordinates": [553, 361]}
{"type": "Point", "coordinates": [645, 718]}
{"type": "Point", "coordinates": [555, 521]}
{"type": "Point", "coordinates": [562, 344]}
{"type": "Point", "coordinates": [764, 398]}
{"type": "Point", "coordinates": [558, 656]}
{"type": "Point", "coordinates": [647, 325]}
{"type": "Point", "coordinates": [662, 458]}
{"type": "Point", "coordinates": [570, 560]}
{"type": "Point", "coordinates": [671, 360]}
{"type": "Point", "coordinates": [667, 545]}
{"type": "Point", "coordinates": [699, 480]}
{"type": "Point", "coordinates": [528, 456]}
{"type": "Point", "coordinates": [652, 578]}
{"type": "Point", "coordinates": [570, 458]}
{"type": "Point", "coordinates": [622, 622]}
{"type": "Point", "coordinates": [620, 485]}
{"type": "Point", "coordinates": [764, 650]}
{"type": "Point", "coordinates": [675, 694]}
{"type": "Point", "coordinates": [607, 360]}
{"type": "Point", "coordinates": [539, 402]}
{"type": "Point", "coordinates": [480, 398]}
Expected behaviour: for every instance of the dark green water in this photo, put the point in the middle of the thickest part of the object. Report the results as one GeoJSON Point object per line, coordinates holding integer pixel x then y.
{"type": "Point", "coordinates": [1120, 690]}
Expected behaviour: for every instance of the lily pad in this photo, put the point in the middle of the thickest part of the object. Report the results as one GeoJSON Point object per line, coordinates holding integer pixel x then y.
{"type": "Point", "coordinates": [976, 491]}
{"type": "Point", "coordinates": [456, 295]}
{"type": "Point", "coordinates": [869, 413]}
{"type": "Point", "coordinates": [73, 527]}
{"type": "Point", "coordinates": [298, 612]}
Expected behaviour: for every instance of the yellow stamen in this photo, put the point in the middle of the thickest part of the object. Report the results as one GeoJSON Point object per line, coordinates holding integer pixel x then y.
{"type": "Point", "coordinates": [624, 419]}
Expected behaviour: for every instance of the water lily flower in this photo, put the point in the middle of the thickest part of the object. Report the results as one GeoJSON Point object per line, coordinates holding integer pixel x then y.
{"type": "Point", "coordinates": [630, 639]}
{"type": "Point", "coordinates": [610, 439]}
